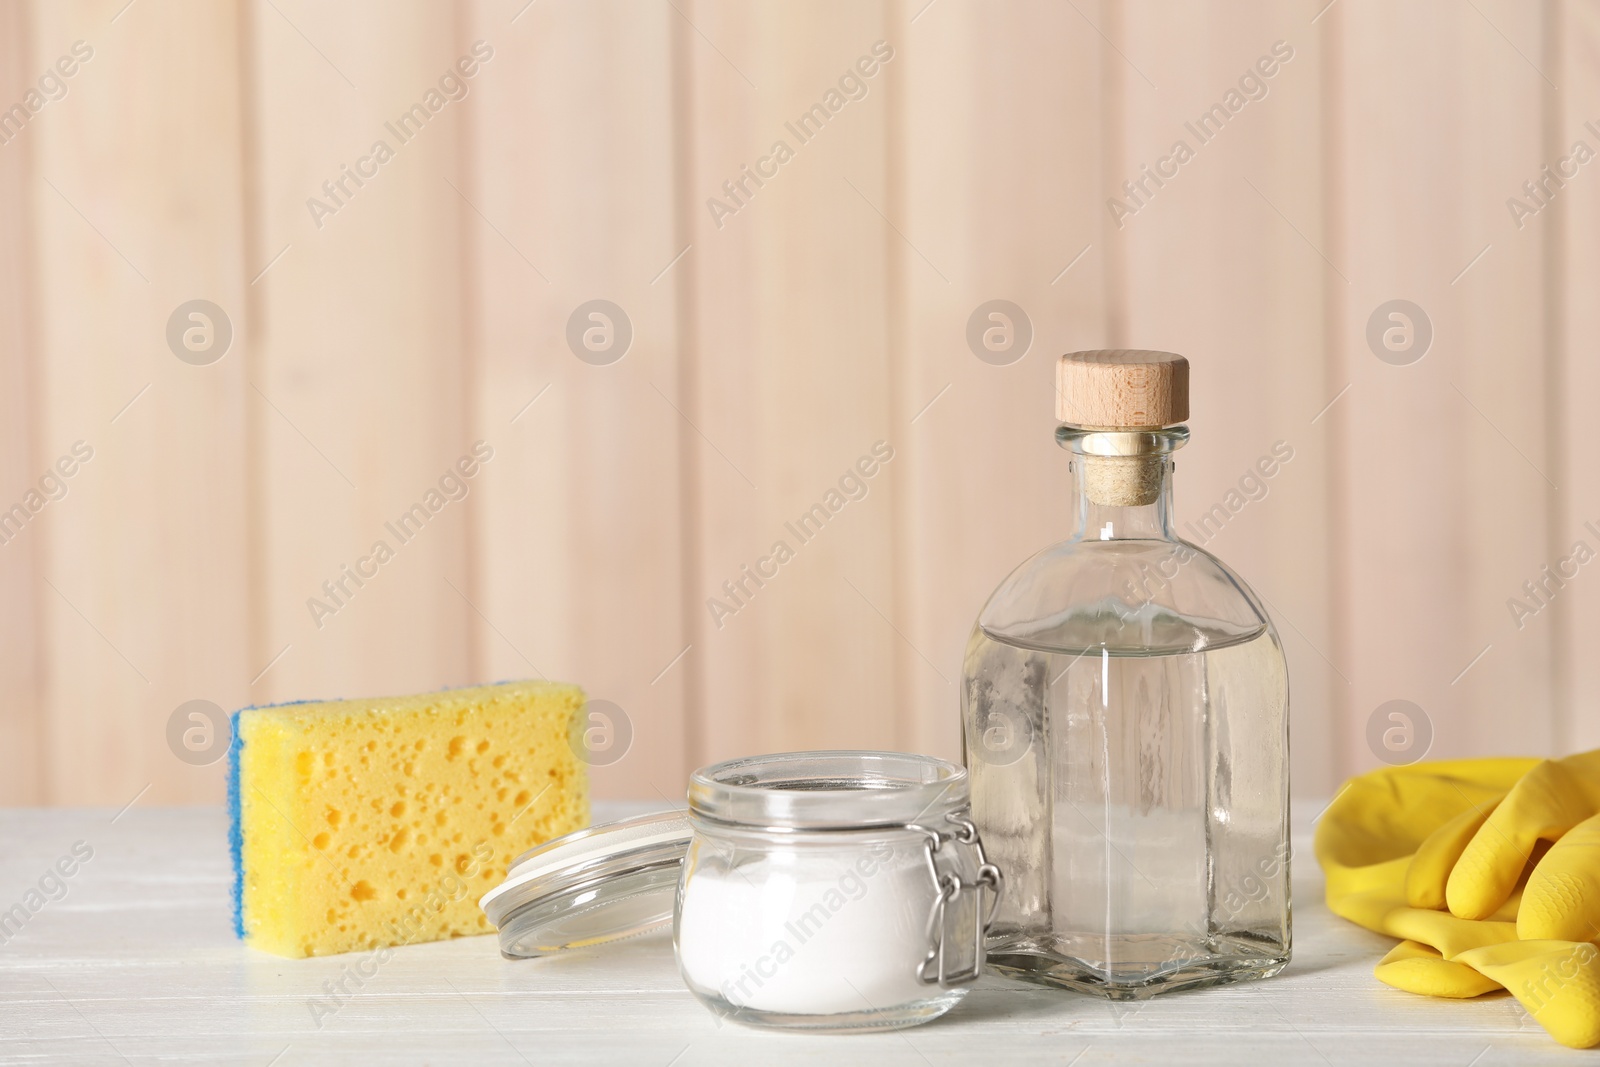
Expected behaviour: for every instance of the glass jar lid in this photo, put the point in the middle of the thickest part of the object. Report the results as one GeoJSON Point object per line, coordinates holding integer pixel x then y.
{"type": "Point", "coordinates": [602, 884]}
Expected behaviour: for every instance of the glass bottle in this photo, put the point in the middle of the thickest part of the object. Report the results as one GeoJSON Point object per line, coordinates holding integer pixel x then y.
{"type": "Point", "coordinates": [1125, 723]}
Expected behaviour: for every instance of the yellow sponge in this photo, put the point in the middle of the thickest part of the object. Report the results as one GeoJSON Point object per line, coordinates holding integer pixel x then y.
{"type": "Point", "coordinates": [363, 823]}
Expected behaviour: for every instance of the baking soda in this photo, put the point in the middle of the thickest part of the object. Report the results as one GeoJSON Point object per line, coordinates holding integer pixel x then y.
{"type": "Point", "coordinates": [803, 933]}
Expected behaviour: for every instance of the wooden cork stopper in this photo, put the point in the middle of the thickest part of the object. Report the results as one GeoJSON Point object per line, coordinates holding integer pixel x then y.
{"type": "Point", "coordinates": [1122, 389]}
{"type": "Point", "coordinates": [1123, 481]}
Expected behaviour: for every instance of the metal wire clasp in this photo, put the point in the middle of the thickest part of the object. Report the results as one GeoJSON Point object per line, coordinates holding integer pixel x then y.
{"type": "Point", "coordinates": [949, 885]}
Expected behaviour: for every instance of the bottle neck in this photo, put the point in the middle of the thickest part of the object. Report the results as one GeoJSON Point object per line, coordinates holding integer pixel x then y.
{"type": "Point", "coordinates": [1099, 520]}
{"type": "Point", "coordinates": [1122, 482]}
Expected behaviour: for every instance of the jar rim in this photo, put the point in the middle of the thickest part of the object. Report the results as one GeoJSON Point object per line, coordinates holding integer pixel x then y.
{"type": "Point", "coordinates": [829, 790]}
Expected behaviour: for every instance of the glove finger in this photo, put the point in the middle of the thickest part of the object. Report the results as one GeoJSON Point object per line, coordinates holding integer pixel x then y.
{"type": "Point", "coordinates": [1507, 911]}
{"type": "Point", "coordinates": [1384, 911]}
{"type": "Point", "coordinates": [1557, 981]}
{"type": "Point", "coordinates": [1444, 932]}
{"type": "Point", "coordinates": [1546, 803]}
{"type": "Point", "coordinates": [1417, 968]}
{"type": "Point", "coordinates": [1386, 814]}
{"type": "Point", "coordinates": [1430, 867]}
{"type": "Point", "coordinates": [1562, 899]}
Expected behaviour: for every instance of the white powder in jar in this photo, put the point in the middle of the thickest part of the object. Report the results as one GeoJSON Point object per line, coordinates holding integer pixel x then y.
{"type": "Point", "coordinates": [809, 932]}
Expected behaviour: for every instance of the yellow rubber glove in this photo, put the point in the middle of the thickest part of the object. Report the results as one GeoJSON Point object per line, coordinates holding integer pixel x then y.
{"type": "Point", "coordinates": [1367, 837]}
{"type": "Point", "coordinates": [1430, 868]}
{"type": "Point", "coordinates": [1418, 968]}
{"type": "Point", "coordinates": [1386, 845]}
{"type": "Point", "coordinates": [1550, 800]}
{"type": "Point", "coordinates": [1562, 899]}
{"type": "Point", "coordinates": [1391, 841]}
{"type": "Point", "coordinates": [1557, 981]}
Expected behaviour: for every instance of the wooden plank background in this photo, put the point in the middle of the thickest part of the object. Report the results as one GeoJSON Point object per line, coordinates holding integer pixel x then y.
{"type": "Point", "coordinates": [774, 343]}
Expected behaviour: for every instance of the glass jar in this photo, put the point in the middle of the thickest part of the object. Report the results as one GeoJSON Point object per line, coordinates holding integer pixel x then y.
{"type": "Point", "coordinates": [1125, 721]}
{"type": "Point", "coordinates": [832, 890]}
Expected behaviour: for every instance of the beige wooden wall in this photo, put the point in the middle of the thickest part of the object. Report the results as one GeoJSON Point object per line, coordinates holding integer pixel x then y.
{"type": "Point", "coordinates": [772, 347]}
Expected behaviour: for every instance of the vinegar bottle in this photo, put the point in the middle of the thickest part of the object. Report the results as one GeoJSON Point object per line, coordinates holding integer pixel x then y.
{"type": "Point", "coordinates": [1124, 709]}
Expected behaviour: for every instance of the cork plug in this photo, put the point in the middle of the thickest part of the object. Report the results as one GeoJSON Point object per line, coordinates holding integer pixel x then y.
{"type": "Point", "coordinates": [1129, 391]}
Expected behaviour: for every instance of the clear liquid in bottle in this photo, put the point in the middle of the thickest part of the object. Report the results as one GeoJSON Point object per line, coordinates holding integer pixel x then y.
{"type": "Point", "coordinates": [1142, 867]}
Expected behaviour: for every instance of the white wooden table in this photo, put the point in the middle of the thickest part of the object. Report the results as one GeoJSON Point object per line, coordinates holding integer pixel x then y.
{"type": "Point", "coordinates": [138, 963]}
